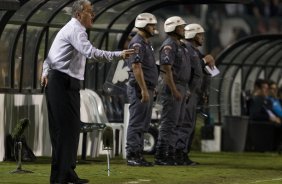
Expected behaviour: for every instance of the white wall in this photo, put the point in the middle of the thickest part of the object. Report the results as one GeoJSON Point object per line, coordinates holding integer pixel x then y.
{"type": "Point", "coordinates": [15, 107]}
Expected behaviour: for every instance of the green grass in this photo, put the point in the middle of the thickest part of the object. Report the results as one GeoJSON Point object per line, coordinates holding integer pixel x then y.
{"type": "Point", "coordinates": [215, 168]}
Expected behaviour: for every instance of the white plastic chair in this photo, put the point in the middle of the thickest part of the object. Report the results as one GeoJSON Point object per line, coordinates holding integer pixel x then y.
{"type": "Point", "coordinates": [101, 117]}
{"type": "Point", "coordinates": [88, 113]}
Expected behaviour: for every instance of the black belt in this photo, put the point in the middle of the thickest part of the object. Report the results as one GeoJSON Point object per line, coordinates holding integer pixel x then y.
{"type": "Point", "coordinates": [149, 85]}
{"type": "Point", "coordinates": [183, 83]}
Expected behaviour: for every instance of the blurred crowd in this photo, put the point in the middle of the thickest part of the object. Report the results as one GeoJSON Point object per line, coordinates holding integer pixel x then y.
{"type": "Point", "coordinates": [261, 17]}
{"type": "Point", "coordinates": [264, 104]}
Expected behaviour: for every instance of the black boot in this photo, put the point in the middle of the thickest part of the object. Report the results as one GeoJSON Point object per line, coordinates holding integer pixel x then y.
{"type": "Point", "coordinates": [187, 161]}
{"type": "Point", "coordinates": [179, 157]}
{"type": "Point", "coordinates": [136, 159]}
{"type": "Point", "coordinates": [162, 158]}
{"type": "Point", "coordinates": [144, 161]}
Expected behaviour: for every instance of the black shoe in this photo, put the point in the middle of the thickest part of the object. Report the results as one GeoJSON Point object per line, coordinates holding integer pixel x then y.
{"type": "Point", "coordinates": [168, 162]}
{"type": "Point", "coordinates": [189, 162]}
{"type": "Point", "coordinates": [78, 181]}
{"type": "Point", "coordinates": [58, 182]}
{"type": "Point", "coordinates": [139, 162]}
{"type": "Point", "coordinates": [137, 159]}
{"type": "Point", "coordinates": [145, 162]}
{"type": "Point", "coordinates": [133, 162]}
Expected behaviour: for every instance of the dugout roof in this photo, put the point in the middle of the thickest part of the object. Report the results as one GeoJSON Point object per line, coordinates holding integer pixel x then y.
{"type": "Point", "coordinates": [241, 64]}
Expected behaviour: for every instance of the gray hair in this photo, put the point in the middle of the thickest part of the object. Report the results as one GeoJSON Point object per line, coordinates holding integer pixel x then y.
{"type": "Point", "coordinates": [78, 6]}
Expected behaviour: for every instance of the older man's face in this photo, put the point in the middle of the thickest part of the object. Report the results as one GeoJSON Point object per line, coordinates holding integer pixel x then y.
{"type": "Point", "coordinates": [86, 16]}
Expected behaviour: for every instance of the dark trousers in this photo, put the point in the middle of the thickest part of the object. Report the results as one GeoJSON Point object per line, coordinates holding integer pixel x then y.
{"type": "Point", "coordinates": [187, 130]}
{"type": "Point", "coordinates": [171, 120]}
{"type": "Point", "coordinates": [139, 120]}
{"type": "Point", "coordinates": [63, 103]}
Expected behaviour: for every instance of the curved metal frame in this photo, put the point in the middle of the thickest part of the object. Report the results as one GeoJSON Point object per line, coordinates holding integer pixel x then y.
{"type": "Point", "coordinates": [270, 44]}
{"type": "Point", "coordinates": [149, 6]}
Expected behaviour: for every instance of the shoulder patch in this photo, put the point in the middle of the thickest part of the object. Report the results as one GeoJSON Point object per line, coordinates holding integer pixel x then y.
{"type": "Point", "coordinates": [167, 49]}
{"type": "Point", "coordinates": [136, 47]}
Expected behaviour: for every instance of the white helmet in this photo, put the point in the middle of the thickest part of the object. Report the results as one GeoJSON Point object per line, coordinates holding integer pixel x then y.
{"type": "Point", "coordinates": [192, 29]}
{"type": "Point", "coordinates": [145, 18]}
{"type": "Point", "coordinates": [172, 22]}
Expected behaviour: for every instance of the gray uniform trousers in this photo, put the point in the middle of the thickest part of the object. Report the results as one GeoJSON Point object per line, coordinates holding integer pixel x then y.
{"type": "Point", "coordinates": [171, 119]}
{"type": "Point", "coordinates": [139, 119]}
{"type": "Point", "coordinates": [186, 131]}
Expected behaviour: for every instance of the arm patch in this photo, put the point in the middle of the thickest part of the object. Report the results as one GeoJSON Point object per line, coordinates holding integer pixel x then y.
{"type": "Point", "coordinates": [167, 49]}
{"type": "Point", "coordinates": [136, 47]}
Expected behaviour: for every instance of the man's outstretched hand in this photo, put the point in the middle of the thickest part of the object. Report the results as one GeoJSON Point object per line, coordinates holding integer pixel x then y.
{"type": "Point", "coordinates": [127, 53]}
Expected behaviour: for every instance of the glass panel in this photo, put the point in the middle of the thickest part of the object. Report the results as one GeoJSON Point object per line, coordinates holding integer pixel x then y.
{"type": "Point", "coordinates": [107, 17]}
{"type": "Point", "coordinates": [46, 11]}
{"type": "Point", "coordinates": [113, 41]}
{"type": "Point", "coordinates": [32, 37]}
{"type": "Point", "coordinates": [25, 10]}
{"type": "Point", "coordinates": [7, 38]}
{"type": "Point", "coordinates": [40, 60]}
{"type": "Point", "coordinates": [130, 15]}
{"type": "Point", "coordinates": [245, 70]}
{"type": "Point", "coordinates": [91, 70]}
{"type": "Point", "coordinates": [278, 59]}
{"type": "Point", "coordinates": [233, 56]}
{"type": "Point", "coordinates": [101, 75]}
{"type": "Point", "coordinates": [215, 93]}
{"type": "Point", "coordinates": [270, 52]}
{"type": "Point", "coordinates": [52, 34]}
{"type": "Point", "coordinates": [18, 62]}
{"type": "Point", "coordinates": [63, 16]}
{"type": "Point", "coordinates": [263, 53]}
{"type": "Point", "coordinates": [95, 38]}
{"type": "Point", "coordinates": [280, 79]}
{"type": "Point", "coordinates": [90, 75]}
{"type": "Point", "coordinates": [251, 52]}
{"type": "Point", "coordinates": [225, 89]}
{"type": "Point", "coordinates": [261, 74]}
{"type": "Point", "coordinates": [100, 6]}
{"type": "Point", "coordinates": [2, 13]}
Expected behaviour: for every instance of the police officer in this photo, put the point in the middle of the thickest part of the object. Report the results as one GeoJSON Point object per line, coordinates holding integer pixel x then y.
{"type": "Point", "coordinates": [143, 78]}
{"type": "Point", "coordinates": [175, 68]}
{"type": "Point", "coordinates": [194, 38]}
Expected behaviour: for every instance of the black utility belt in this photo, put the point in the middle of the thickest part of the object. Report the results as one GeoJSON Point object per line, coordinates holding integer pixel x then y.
{"type": "Point", "coordinates": [182, 83]}
{"type": "Point", "coordinates": [149, 85]}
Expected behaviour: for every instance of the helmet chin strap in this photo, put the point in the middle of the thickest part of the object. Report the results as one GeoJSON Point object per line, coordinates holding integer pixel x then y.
{"type": "Point", "coordinates": [197, 42]}
{"type": "Point", "coordinates": [179, 36]}
{"type": "Point", "coordinates": [147, 32]}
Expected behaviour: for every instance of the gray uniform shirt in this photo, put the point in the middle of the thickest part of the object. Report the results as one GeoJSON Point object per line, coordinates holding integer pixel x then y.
{"type": "Point", "coordinates": [177, 56]}
{"type": "Point", "coordinates": [200, 80]}
{"type": "Point", "coordinates": [144, 54]}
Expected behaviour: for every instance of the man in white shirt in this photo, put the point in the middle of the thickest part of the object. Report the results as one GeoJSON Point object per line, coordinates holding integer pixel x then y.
{"type": "Point", "coordinates": [63, 70]}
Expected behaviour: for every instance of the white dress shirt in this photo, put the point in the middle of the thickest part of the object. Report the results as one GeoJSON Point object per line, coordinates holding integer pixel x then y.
{"type": "Point", "coordinates": [70, 49]}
